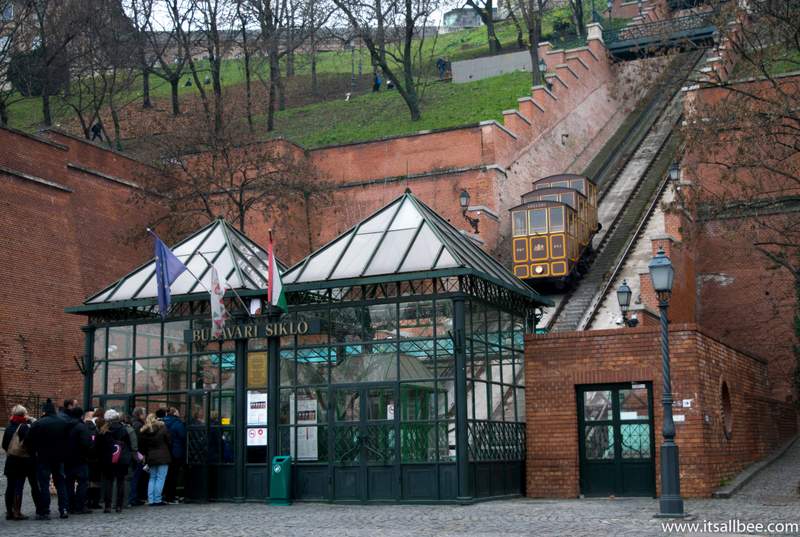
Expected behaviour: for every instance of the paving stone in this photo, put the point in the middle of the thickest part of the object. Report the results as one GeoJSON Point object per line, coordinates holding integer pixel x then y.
{"type": "Point", "coordinates": [769, 497]}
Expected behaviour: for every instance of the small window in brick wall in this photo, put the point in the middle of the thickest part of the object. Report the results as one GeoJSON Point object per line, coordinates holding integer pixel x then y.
{"type": "Point", "coordinates": [727, 411]}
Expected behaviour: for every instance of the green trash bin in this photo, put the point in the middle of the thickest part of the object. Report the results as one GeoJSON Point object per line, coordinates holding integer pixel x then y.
{"type": "Point", "coordinates": [280, 481]}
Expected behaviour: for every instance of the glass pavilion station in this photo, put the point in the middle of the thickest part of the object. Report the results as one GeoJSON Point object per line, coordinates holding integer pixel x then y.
{"type": "Point", "coordinates": [397, 374]}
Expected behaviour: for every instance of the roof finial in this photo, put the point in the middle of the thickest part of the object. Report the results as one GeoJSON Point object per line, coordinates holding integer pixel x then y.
{"type": "Point", "coordinates": [408, 190]}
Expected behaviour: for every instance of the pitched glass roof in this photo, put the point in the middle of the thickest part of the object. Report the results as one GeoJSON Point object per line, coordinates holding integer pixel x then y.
{"type": "Point", "coordinates": [405, 238]}
{"type": "Point", "coordinates": [240, 260]}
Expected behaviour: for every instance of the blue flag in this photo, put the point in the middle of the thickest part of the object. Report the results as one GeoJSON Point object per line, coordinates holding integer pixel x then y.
{"type": "Point", "coordinates": [168, 268]}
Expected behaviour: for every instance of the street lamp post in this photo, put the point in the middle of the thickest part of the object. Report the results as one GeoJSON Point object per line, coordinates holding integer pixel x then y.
{"type": "Point", "coordinates": [610, 5]}
{"type": "Point", "coordinates": [624, 298]}
{"type": "Point", "coordinates": [670, 502]}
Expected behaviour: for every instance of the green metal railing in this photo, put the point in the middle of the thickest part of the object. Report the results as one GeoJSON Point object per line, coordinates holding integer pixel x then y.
{"type": "Point", "coordinates": [662, 30]}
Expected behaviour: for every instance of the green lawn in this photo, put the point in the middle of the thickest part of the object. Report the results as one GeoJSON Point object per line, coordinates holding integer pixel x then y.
{"type": "Point", "coordinates": [367, 116]}
{"type": "Point", "coordinates": [378, 115]}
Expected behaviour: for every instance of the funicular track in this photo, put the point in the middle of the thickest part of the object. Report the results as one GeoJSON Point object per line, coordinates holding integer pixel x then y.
{"type": "Point", "coordinates": [630, 173]}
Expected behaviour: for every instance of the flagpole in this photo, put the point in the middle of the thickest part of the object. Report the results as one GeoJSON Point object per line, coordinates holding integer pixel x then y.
{"type": "Point", "coordinates": [241, 301]}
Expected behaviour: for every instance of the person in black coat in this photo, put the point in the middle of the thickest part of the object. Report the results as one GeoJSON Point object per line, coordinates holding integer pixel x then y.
{"type": "Point", "coordinates": [76, 466]}
{"type": "Point", "coordinates": [46, 442]}
{"type": "Point", "coordinates": [114, 452]}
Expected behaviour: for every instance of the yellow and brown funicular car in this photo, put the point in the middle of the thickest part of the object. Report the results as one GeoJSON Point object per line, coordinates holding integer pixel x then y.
{"type": "Point", "coordinates": [553, 227]}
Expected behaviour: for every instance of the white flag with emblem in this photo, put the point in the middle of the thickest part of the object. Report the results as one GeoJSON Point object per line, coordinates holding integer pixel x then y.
{"type": "Point", "coordinates": [218, 312]}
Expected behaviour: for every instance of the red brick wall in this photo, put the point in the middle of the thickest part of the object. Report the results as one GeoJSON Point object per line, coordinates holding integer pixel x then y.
{"type": "Point", "coordinates": [57, 247]}
{"type": "Point", "coordinates": [556, 363]}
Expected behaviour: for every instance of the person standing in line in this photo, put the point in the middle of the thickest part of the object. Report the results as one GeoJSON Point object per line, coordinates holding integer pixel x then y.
{"type": "Point", "coordinates": [155, 445]}
{"type": "Point", "coordinates": [65, 411]}
{"type": "Point", "coordinates": [94, 421]}
{"type": "Point", "coordinates": [47, 440]}
{"type": "Point", "coordinates": [19, 462]}
{"type": "Point", "coordinates": [114, 449]}
{"type": "Point", "coordinates": [177, 433]}
{"type": "Point", "coordinates": [139, 478]}
{"type": "Point", "coordinates": [76, 466]}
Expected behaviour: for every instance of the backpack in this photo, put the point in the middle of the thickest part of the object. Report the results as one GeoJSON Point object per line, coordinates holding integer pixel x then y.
{"type": "Point", "coordinates": [15, 447]}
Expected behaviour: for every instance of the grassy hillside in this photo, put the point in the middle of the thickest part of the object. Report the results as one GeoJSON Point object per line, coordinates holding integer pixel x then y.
{"type": "Point", "coordinates": [377, 115]}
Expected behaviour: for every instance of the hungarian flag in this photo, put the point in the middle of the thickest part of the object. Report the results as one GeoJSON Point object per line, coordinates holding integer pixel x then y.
{"type": "Point", "coordinates": [275, 295]}
{"type": "Point", "coordinates": [168, 268]}
{"type": "Point", "coordinates": [218, 312]}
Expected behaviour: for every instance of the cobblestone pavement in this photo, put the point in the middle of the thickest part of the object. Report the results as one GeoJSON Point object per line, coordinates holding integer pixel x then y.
{"type": "Point", "coordinates": [770, 497]}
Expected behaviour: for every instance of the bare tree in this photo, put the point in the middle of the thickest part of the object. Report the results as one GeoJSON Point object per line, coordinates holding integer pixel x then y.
{"type": "Point", "coordinates": [140, 14]}
{"type": "Point", "coordinates": [12, 18]}
{"type": "Point", "coordinates": [403, 62]}
{"type": "Point", "coordinates": [54, 28]}
{"type": "Point", "coordinates": [576, 6]}
{"type": "Point", "coordinates": [273, 20]}
{"type": "Point", "coordinates": [201, 177]}
{"type": "Point", "coordinates": [743, 140]}
{"type": "Point", "coordinates": [485, 10]}
{"type": "Point", "coordinates": [162, 34]}
{"type": "Point", "coordinates": [532, 12]}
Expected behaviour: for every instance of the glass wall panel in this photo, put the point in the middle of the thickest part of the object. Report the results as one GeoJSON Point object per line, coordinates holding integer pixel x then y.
{"type": "Point", "coordinates": [481, 401]}
{"type": "Point", "coordinates": [120, 377]}
{"type": "Point", "coordinates": [148, 339]}
{"type": "Point", "coordinates": [445, 359]}
{"type": "Point", "coordinates": [120, 342]}
{"type": "Point", "coordinates": [173, 337]}
{"type": "Point", "coordinates": [445, 400]}
{"type": "Point", "coordinates": [496, 402]}
{"type": "Point", "coordinates": [287, 367]}
{"type": "Point", "coordinates": [417, 319]}
{"type": "Point", "coordinates": [418, 401]}
{"type": "Point", "coordinates": [161, 374]}
{"type": "Point", "coordinates": [100, 343]}
{"type": "Point", "coordinates": [417, 359]}
{"type": "Point", "coordinates": [369, 362]}
{"type": "Point", "coordinates": [312, 365]}
{"type": "Point", "coordinates": [99, 378]}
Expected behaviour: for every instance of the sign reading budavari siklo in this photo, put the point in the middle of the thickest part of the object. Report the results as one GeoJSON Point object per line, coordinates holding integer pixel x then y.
{"type": "Point", "coordinates": [255, 329]}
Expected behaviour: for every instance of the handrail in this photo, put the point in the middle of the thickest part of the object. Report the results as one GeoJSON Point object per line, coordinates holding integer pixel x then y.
{"type": "Point", "coordinates": [661, 28]}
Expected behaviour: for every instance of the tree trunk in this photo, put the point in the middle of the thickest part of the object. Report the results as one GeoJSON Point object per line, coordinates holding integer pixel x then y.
{"type": "Point", "coordinates": [380, 34]}
{"type": "Point", "coordinates": [173, 83]}
{"type": "Point", "coordinates": [248, 89]}
{"type": "Point", "coordinates": [46, 116]}
{"type": "Point", "coordinates": [146, 89]}
{"type": "Point", "coordinates": [494, 42]}
{"type": "Point", "coordinates": [3, 114]}
{"type": "Point", "coordinates": [410, 86]}
{"type": "Point", "coordinates": [533, 46]}
{"type": "Point", "coordinates": [314, 81]}
{"type": "Point", "coordinates": [518, 26]}
{"type": "Point", "coordinates": [216, 82]}
{"type": "Point", "coordinates": [281, 88]}
{"type": "Point", "coordinates": [117, 129]}
{"type": "Point", "coordinates": [273, 88]}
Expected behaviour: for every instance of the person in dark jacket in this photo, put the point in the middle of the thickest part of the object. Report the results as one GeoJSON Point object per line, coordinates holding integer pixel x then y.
{"type": "Point", "coordinates": [65, 412]}
{"type": "Point", "coordinates": [155, 445]}
{"type": "Point", "coordinates": [19, 463]}
{"type": "Point", "coordinates": [114, 452]}
{"type": "Point", "coordinates": [46, 441]}
{"type": "Point", "coordinates": [94, 421]}
{"type": "Point", "coordinates": [177, 433]}
{"type": "Point", "coordinates": [139, 478]}
{"type": "Point", "coordinates": [76, 465]}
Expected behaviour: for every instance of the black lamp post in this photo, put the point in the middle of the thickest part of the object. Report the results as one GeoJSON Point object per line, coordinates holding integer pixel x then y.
{"type": "Point", "coordinates": [641, 7]}
{"type": "Point", "coordinates": [610, 5]}
{"type": "Point", "coordinates": [624, 299]}
{"type": "Point", "coordinates": [463, 200]}
{"type": "Point", "coordinates": [670, 502]}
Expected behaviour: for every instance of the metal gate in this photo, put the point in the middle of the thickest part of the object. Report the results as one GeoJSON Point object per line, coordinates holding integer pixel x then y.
{"type": "Point", "coordinates": [365, 443]}
{"type": "Point", "coordinates": [615, 429]}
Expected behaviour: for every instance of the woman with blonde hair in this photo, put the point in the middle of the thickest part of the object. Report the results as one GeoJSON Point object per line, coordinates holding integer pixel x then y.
{"type": "Point", "coordinates": [19, 463]}
{"type": "Point", "coordinates": [154, 443]}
